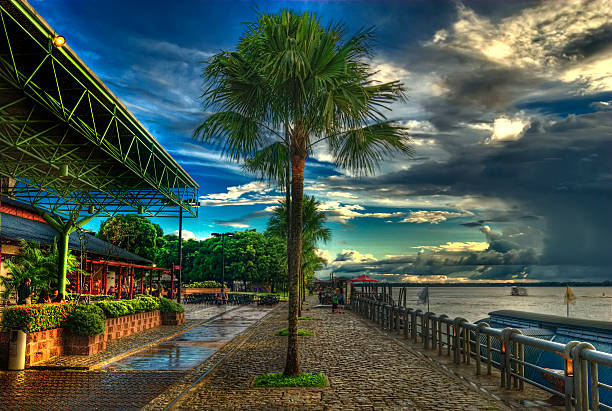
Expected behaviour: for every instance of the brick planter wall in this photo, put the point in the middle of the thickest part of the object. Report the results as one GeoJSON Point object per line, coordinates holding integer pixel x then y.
{"type": "Point", "coordinates": [172, 318]}
{"type": "Point", "coordinates": [43, 345]}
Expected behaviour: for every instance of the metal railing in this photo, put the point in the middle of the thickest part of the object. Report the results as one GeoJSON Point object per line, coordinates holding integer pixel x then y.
{"type": "Point", "coordinates": [577, 384]}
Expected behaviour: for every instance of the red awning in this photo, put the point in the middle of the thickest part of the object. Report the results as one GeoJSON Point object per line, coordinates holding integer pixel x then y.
{"type": "Point", "coordinates": [364, 279]}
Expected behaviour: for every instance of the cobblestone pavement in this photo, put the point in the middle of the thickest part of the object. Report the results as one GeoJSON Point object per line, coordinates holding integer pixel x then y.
{"type": "Point", "coordinates": [366, 370]}
{"type": "Point", "coordinates": [107, 389]}
{"type": "Point", "coordinates": [81, 390]}
{"type": "Point", "coordinates": [195, 315]}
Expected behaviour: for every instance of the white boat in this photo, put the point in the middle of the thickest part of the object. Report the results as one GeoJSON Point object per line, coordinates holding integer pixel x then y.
{"type": "Point", "coordinates": [518, 291]}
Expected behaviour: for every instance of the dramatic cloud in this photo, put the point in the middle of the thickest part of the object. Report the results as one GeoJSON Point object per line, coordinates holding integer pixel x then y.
{"type": "Point", "coordinates": [343, 213]}
{"type": "Point", "coordinates": [433, 217]}
{"type": "Point", "coordinates": [255, 192]}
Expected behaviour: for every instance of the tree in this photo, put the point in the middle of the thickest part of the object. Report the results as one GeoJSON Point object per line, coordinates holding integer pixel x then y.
{"type": "Point", "coordinates": [294, 82]}
{"type": "Point", "coordinates": [37, 264]}
{"type": "Point", "coordinates": [313, 232]}
{"type": "Point", "coordinates": [132, 232]}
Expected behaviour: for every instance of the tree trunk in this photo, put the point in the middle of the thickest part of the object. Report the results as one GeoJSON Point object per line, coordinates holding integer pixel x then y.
{"type": "Point", "coordinates": [298, 159]}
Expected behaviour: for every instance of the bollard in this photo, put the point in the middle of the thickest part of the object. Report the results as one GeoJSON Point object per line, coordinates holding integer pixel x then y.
{"type": "Point", "coordinates": [17, 350]}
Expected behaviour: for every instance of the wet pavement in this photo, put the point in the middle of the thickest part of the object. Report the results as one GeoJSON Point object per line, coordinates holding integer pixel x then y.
{"type": "Point", "coordinates": [132, 382]}
{"type": "Point", "coordinates": [189, 349]}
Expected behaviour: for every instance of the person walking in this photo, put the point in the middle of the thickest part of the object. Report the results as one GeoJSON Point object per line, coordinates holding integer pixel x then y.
{"type": "Point", "coordinates": [334, 301]}
{"type": "Point", "coordinates": [341, 301]}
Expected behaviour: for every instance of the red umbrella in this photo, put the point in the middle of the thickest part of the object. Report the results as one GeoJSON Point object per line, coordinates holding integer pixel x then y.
{"type": "Point", "coordinates": [364, 279]}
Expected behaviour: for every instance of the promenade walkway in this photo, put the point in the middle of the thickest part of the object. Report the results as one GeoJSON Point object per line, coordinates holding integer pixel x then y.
{"type": "Point", "coordinates": [366, 370]}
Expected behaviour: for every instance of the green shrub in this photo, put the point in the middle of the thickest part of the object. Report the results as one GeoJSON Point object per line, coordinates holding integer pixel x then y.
{"type": "Point", "coordinates": [150, 303]}
{"type": "Point", "coordinates": [203, 284]}
{"type": "Point", "coordinates": [302, 380]}
{"type": "Point", "coordinates": [86, 319]}
{"type": "Point", "coordinates": [285, 332]}
{"type": "Point", "coordinates": [304, 318]}
{"type": "Point", "coordinates": [139, 305]}
{"type": "Point", "coordinates": [167, 305]}
{"type": "Point", "coordinates": [117, 308]}
{"type": "Point", "coordinates": [37, 317]}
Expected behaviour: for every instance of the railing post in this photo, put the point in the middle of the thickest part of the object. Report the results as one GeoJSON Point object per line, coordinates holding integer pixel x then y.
{"type": "Point", "coordinates": [581, 376]}
{"type": "Point", "coordinates": [479, 327]}
{"type": "Point", "coordinates": [413, 325]}
{"type": "Point", "coordinates": [570, 375]}
{"type": "Point", "coordinates": [397, 319]}
{"type": "Point", "coordinates": [434, 331]}
{"type": "Point", "coordinates": [406, 327]}
{"type": "Point", "coordinates": [594, 387]}
{"type": "Point", "coordinates": [425, 329]}
{"type": "Point", "coordinates": [441, 319]}
{"type": "Point", "coordinates": [489, 355]}
{"type": "Point", "coordinates": [508, 344]}
{"type": "Point", "coordinates": [457, 339]}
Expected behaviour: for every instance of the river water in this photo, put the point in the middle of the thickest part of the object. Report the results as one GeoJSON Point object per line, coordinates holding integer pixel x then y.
{"type": "Point", "coordinates": [474, 303]}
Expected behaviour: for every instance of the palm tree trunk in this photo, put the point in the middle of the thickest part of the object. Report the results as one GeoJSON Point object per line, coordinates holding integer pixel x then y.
{"type": "Point", "coordinates": [298, 159]}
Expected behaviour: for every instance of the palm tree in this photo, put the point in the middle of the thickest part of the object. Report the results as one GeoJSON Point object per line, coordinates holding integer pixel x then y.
{"type": "Point", "coordinates": [313, 232]}
{"type": "Point", "coordinates": [294, 82]}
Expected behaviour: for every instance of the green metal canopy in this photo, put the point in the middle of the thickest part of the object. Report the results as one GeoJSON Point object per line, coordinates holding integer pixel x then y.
{"type": "Point", "coordinates": [66, 141]}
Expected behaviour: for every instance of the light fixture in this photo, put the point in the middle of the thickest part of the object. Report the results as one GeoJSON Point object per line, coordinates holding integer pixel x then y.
{"type": "Point", "coordinates": [141, 210]}
{"type": "Point", "coordinates": [59, 41]}
{"type": "Point", "coordinates": [91, 209]}
{"type": "Point", "coordinates": [63, 170]}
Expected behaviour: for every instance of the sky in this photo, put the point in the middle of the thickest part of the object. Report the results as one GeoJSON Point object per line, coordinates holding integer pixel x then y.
{"type": "Point", "coordinates": [509, 110]}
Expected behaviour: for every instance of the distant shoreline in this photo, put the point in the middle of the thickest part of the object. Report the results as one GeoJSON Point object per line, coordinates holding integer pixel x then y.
{"type": "Point", "coordinates": [534, 284]}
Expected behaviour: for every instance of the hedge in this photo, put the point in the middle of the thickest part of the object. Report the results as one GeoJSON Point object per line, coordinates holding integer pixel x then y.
{"type": "Point", "coordinates": [40, 317]}
{"type": "Point", "coordinates": [167, 305]}
{"type": "Point", "coordinates": [85, 320]}
{"type": "Point", "coordinates": [37, 317]}
{"type": "Point", "coordinates": [203, 284]}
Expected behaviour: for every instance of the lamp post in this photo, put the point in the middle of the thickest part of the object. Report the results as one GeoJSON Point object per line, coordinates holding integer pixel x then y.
{"type": "Point", "coordinates": [222, 235]}
{"type": "Point", "coordinates": [191, 203]}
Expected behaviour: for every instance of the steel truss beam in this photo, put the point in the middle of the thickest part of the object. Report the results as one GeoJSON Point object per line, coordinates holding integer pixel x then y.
{"type": "Point", "coordinates": [54, 113]}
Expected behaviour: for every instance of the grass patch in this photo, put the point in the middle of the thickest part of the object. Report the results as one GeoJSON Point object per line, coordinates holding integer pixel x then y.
{"type": "Point", "coordinates": [303, 333]}
{"type": "Point", "coordinates": [279, 380]}
{"type": "Point", "coordinates": [304, 318]}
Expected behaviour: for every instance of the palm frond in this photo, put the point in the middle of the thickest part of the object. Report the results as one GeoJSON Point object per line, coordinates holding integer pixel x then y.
{"type": "Point", "coordinates": [361, 150]}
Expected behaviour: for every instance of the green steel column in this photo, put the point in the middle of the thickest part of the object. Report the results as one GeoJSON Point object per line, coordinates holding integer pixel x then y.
{"type": "Point", "coordinates": [63, 262]}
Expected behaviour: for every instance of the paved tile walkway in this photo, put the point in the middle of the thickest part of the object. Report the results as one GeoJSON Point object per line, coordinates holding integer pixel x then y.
{"type": "Point", "coordinates": [194, 314]}
{"type": "Point", "coordinates": [366, 370]}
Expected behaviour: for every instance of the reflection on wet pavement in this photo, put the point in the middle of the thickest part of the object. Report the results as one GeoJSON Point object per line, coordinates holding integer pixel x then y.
{"type": "Point", "coordinates": [192, 347]}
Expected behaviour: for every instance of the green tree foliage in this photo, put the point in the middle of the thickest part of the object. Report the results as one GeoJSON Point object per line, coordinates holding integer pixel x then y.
{"type": "Point", "coordinates": [134, 233]}
{"type": "Point", "coordinates": [38, 264]}
{"type": "Point", "coordinates": [294, 82]}
{"type": "Point", "coordinates": [314, 232]}
{"type": "Point", "coordinates": [249, 256]}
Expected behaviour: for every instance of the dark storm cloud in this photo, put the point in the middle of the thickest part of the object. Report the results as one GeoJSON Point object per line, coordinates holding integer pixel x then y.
{"type": "Point", "coordinates": [558, 173]}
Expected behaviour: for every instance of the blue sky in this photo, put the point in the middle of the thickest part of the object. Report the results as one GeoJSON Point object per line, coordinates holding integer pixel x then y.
{"type": "Point", "coordinates": [509, 111]}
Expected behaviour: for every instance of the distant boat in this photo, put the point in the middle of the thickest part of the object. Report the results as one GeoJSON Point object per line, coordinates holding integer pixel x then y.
{"type": "Point", "coordinates": [519, 291]}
